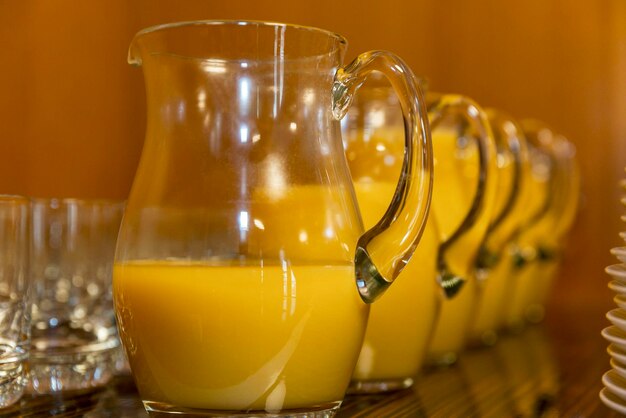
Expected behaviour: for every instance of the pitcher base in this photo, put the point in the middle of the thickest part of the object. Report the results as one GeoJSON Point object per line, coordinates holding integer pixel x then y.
{"type": "Point", "coordinates": [442, 359]}
{"type": "Point", "coordinates": [359, 387]}
{"type": "Point", "coordinates": [163, 410]}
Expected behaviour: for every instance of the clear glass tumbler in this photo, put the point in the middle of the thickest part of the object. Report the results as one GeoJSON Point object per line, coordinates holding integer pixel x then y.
{"type": "Point", "coordinates": [74, 338]}
{"type": "Point", "coordinates": [14, 297]}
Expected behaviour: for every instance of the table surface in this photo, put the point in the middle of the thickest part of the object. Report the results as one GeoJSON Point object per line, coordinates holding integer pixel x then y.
{"type": "Point", "coordinates": [548, 370]}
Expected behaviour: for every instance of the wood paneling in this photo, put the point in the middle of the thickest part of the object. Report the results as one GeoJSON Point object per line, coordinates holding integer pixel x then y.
{"type": "Point", "coordinates": [71, 109]}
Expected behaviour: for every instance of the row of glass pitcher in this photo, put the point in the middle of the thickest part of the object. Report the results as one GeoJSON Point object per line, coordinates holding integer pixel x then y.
{"type": "Point", "coordinates": [505, 194]}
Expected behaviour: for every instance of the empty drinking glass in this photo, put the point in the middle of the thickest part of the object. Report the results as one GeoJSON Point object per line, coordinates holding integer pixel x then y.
{"type": "Point", "coordinates": [14, 297]}
{"type": "Point", "coordinates": [74, 338]}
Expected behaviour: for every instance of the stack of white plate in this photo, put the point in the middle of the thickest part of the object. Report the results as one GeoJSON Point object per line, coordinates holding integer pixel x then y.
{"type": "Point", "coordinates": [614, 393]}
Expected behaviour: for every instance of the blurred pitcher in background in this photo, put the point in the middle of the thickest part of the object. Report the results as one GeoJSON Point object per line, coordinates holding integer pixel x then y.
{"type": "Point", "coordinates": [493, 265]}
{"type": "Point", "coordinates": [554, 194]}
{"type": "Point", "coordinates": [429, 291]}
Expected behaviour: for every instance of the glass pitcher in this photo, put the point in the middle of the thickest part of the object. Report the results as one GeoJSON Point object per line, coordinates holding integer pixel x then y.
{"type": "Point", "coordinates": [525, 266]}
{"type": "Point", "coordinates": [562, 216]}
{"type": "Point", "coordinates": [393, 352]}
{"type": "Point", "coordinates": [493, 264]}
{"type": "Point", "coordinates": [541, 243]}
{"type": "Point", "coordinates": [235, 271]}
{"type": "Point", "coordinates": [465, 188]}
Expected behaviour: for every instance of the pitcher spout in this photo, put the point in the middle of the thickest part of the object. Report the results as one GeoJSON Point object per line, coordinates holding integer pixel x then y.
{"type": "Point", "coordinates": [134, 53]}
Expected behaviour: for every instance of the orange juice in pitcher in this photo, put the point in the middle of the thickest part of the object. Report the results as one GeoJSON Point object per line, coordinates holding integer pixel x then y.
{"type": "Point", "coordinates": [393, 351]}
{"type": "Point", "coordinates": [296, 309]}
{"type": "Point", "coordinates": [463, 199]}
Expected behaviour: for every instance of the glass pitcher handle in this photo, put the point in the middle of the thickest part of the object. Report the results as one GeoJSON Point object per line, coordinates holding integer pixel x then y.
{"type": "Point", "coordinates": [451, 282]}
{"type": "Point", "coordinates": [500, 230]}
{"type": "Point", "coordinates": [384, 250]}
{"type": "Point", "coordinates": [564, 192]}
{"type": "Point", "coordinates": [517, 147]}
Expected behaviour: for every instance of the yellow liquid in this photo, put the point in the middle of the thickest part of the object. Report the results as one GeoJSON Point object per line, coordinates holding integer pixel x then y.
{"type": "Point", "coordinates": [547, 271]}
{"type": "Point", "coordinates": [239, 338]}
{"type": "Point", "coordinates": [453, 323]}
{"type": "Point", "coordinates": [402, 319]}
{"type": "Point", "coordinates": [492, 300]}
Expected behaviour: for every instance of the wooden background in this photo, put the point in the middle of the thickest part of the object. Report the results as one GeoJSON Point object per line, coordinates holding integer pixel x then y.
{"type": "Point", "coordinates": [71, 109]}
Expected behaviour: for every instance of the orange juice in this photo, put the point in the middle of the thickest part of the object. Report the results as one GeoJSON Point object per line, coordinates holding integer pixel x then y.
{"type": "Point", "coordinates": [239, 337]}
{"type": "Point", "coordinates": [452, 326]}
{"type": "Point", "coordinates": [493, 297]}
{"type": "Point", "coordinates": [402, 319]}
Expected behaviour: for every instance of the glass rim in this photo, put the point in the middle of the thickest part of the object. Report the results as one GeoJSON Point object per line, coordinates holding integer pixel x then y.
{"type": "Point", "coordinates": [136, 59]}
{"type": "Point", "coordinates": [14, 198]}
{"type": "Point", "coordinates": [236, 22]}
{"type": "Point", "coordinates": [78, 200]}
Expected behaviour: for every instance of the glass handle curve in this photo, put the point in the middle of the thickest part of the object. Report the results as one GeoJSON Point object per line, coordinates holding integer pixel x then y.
{"type": "Point", "coordinates": [384, 250]}
{"type": "Point", "coordinates": [477, 118]}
